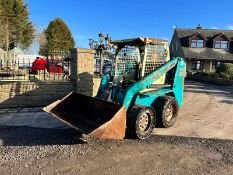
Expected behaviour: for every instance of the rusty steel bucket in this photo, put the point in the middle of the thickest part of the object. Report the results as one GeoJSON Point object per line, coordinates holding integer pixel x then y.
{"type": "Point", "coordinates": [90, 115]}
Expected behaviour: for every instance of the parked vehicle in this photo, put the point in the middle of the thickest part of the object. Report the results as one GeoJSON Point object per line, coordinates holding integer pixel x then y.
{"type": "Point", "coordinates": [41, 64]}
{"type": "Point", "coordinates": [130, 101]}
{"type": "Point", "coordinates": [38, 64]}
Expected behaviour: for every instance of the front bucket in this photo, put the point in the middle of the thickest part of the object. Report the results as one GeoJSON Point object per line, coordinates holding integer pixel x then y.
{"type": "Point", "coordinates": [90, 115]}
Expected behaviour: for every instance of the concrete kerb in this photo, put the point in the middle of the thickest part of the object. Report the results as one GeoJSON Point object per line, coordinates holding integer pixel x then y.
{"type": "Point", "coordinates": [20, 110]}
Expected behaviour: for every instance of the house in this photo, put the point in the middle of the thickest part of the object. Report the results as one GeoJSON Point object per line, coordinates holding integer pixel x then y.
{"type": "Point", "coordinates": [202, 49]}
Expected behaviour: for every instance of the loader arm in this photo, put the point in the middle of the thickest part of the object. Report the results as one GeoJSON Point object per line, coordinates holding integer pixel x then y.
{"type": "Point", "coordinates": [146, 81]}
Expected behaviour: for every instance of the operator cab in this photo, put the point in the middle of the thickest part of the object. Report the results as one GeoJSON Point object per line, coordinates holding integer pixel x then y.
{"type": "Point", "coordinates": [134, 59]}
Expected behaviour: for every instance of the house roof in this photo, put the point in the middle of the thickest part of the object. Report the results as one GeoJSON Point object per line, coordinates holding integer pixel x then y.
{"type": "Point", "coordinates": [198, 34]}
{"type": "Point", "coordinates": [208, 33]}
{"type": "Point", "coordinates": [222, 34]}
{"type": "Point", "coordinates": [208, 52]}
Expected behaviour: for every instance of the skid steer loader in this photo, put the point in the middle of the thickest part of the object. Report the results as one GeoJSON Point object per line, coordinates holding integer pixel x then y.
{"type": "Point", "coordinates": [144, 90]}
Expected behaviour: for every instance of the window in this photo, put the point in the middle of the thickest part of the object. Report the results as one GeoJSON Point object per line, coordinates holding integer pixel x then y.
{"type": "Point", "coordinates": [215, 64]}
{"type": "Point", "coordinates": [197, 65]}
{"type": "Point", "coordinates": [221, 44]}
{"type": "Point", "coordinates": [197, 43]}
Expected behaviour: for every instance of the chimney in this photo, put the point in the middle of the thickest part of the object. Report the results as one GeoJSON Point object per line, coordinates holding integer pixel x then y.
{"type": "Point", "coordinates": [199, 26]}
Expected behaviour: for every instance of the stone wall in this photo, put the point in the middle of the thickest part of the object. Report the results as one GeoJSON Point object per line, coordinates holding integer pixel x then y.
{"type": "Point", "coordinates": [96, 84]}
{"type": "Point", "coordinates": [30, 94]}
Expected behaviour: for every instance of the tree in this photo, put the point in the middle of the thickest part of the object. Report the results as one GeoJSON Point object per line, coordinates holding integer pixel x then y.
{"type": "Point", "coordinates": [15, 27]}
{"type": "Point", "coordinates": [56, 37]}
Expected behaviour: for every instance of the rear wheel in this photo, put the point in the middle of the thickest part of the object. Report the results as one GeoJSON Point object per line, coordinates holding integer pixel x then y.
{"type": "Point", "coordinates": [167, 109]}
{"type": "Point", "coordinates": [140, 122]}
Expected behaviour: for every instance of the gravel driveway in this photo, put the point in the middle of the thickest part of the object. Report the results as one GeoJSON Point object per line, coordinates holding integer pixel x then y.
{"type": "Point", "coordinates": [207, 112]}
{"type": "Point", "coordinates": [201, 142]}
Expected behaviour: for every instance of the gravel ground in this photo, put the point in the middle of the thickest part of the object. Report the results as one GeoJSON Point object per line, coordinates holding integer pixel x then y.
{"type": "Point", "coordinates": [157, 155]}
{"type": "Point", "coordinates": [32, 142]}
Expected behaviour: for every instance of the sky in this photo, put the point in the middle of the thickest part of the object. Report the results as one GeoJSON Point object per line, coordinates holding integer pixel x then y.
{"type": "Point", "coordinates": [123, 19]}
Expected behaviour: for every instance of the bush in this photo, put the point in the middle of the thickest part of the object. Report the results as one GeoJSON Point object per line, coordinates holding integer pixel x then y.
{"type": "Point", "coordinates": [225, 70]}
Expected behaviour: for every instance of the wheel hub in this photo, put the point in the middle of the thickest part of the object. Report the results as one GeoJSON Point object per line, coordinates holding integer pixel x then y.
{"type": "Point", "coordinates": [144, 122]}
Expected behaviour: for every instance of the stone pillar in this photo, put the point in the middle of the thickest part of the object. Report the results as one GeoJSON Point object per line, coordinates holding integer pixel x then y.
{"type": "Point", "coordinates": [208, 66]}
{"type": "Point", "coordinates": [189, 66]}
{"type": "Point", "coordinates": [82, 70]}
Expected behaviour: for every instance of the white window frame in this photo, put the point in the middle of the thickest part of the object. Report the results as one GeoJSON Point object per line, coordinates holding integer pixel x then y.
{"type": "Point", "coordinates": [195, 44]}
{"type": "Point", "coordinates": [220, 44]}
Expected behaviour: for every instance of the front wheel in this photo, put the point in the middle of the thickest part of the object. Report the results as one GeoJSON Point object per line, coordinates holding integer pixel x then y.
{"type": "Point", "coordinates": [167, 110]}
{"type": "Point", "coordinates": [140, 122]}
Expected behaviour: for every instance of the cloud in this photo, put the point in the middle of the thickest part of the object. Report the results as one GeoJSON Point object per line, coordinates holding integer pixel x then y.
{"type": "Point", "coordinates": [214, 27]}
{"type": "Point", "coordinates": [230, 27]}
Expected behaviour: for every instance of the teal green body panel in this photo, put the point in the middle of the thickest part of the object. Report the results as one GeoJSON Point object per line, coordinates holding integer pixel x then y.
{"type": "Point", "coordinates": [148, 98]}
{"type": "Point", "coordinates": [133, 94]}
{"type": "Point", "coordinates": [118, 94]}
{"type": "Point", "coordinates": [177, 86]}
{"type": "Point", "coordinates": [103, 84]}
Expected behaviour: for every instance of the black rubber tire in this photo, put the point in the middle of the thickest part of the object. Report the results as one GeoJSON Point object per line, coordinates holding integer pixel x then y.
{"type": "Point", "coordinates": [161, 106]}
{"type": "Point", "coordinates": [135, 129]}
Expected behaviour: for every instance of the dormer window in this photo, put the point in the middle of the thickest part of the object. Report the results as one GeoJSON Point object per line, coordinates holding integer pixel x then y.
{"type": "Point", "coordinates": [221, 45]}
{"type": "Point", "coordinates": [221, 41]}
{"type": "Point", "coordinates": [197, 43]}
{"type": "Point", "coordinates": [197, 40]}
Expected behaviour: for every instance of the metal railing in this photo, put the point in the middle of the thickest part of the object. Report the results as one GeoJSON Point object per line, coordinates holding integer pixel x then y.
{"type": "Point", "coordinates": [46, 71]}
